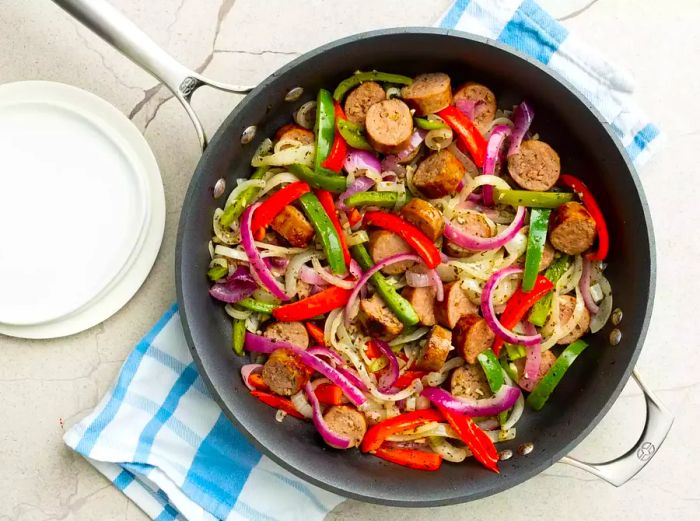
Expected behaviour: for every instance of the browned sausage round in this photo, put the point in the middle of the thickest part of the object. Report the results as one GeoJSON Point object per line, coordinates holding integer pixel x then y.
{"type": "Point", "coordinates": [348, 422]}
{"type": "Point", "coordinates": [471, 223]}
{"type": "Point", "coordinates": [546, 361]}
{"type": "Point", "coordinates": [535, 167]}
{"type": "Point", "coordinates": [291, 224]}
{"type": "Point", "coordinates": [425, 217]}
{"type": "Point", "coordinates": [573, 229]}
{"type": "Point", "coordinates": [292, 131]}
{"type": "Point", "coordinates": [383, 244]}
{"type": "Point", "coordinates": [455, 304]}
{"type": "Point", "coordinates": [470, 381]}
{"type": "Point", "coordinates": [361, 99]}
{"type": "Point", "coordinates": [485, 109]}
{"type": "Point", "coordinates": [471, 336]}
{"type": "Point", "coordinates": [567, 303]}
{"type": "Point", "coordinates": [438, 174]}
{"type": "Point", "coordinates": [428, 93]}
{"type": "Point", "coordinates": [389, 125]}
{"type": "Point", "coordinates": [436, 350]}
{"type": "Point", "coordinates": [292, 332]}
{"type": "Point", "coordinates": [377, 320]}
{"type": "Point", "coordinates": [423, 301]}
{"type": "Point", "coordinates": [284, 373]}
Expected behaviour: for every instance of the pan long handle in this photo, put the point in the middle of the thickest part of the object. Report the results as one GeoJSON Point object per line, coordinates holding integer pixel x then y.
{"type": "Point", "coordinates": [620, 470]}
{"type": "Point", "coordinates": [116, 29]}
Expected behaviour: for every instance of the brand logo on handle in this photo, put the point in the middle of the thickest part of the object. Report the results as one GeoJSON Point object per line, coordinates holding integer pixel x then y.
{"type": "Point", "coordinates": [646, 451]}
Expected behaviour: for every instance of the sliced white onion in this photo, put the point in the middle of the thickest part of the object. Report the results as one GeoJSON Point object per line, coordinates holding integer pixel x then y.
{"type": "Point", "coordinates": [242, 186]}
{"type": "Point", "coordinates": [231, 253]}
{"type": "Point", "coordinates": [605, 308]}
{"type": "Point", "coordinates": [357, 237]}
{"type": "Point", "coordinates": [302, 405]}
{"type": "Point", "coordinates": [277, 180]}
{"type": "Point", "coordinates": [239, 314]}
{"type": "Point", "coordinates": [225, 236]}
{"type": "Point", "coordinates": [303, 154]}
{"type": "Point", "coordinates": [411, 337]}
{"type": "Point", "coordinates": [291, 276]}
{"type": "Point", "coordinates": [438, 139]}
{"type": "Point", "coordinates": [328, 277]}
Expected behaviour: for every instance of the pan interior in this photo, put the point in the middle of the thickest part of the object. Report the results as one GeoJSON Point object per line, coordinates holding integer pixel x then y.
{"type": "Point", "coordinates": [587, 150]}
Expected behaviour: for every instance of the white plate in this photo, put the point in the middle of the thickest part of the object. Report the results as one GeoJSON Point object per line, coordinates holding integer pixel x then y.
{"type": "Point", "coordinates": [82, 209]}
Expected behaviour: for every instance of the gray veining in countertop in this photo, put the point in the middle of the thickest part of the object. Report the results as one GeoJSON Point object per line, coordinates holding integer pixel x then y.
{"type": "Point", "coordinates": [44, 385]}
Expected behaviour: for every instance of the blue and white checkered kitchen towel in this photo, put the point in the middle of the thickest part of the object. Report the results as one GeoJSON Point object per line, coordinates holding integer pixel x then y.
{"type": "Point", "coordinates": [160, 437]}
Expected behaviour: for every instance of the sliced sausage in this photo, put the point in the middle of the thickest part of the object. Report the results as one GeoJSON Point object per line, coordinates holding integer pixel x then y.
{"type": "Point", "coordinates": [567, 303]}
{"type": "Point", "coordinates": [484, 99]}
{"type": "Point", "coordinates": [546, 361]}
{"type": "Point", "coordinates": [470, 381]}
{"type": "Point", "coordinates": [383, 244]}
{"type": "Point", "coordinates": [547, 257]}
{"type": "Point", "coordinates": [428, 93]}
{"type": "Point", "coordinates": [292, 131]}
{"type": "Point", "coordinates": [423, 301]}
{"type": "Point", "coordinates": [535, 167]}
{"type": "Point", "coordinates": [436, 350]}
{"type": "Point", "coordinates": [361, 99]}
{"type": "Point", "coordinates": [438, 174]}
{"type": "Point", "coordinates": [471, 336]}
{"type": "Point", "coordinates": [292, 332]}
{"type": "Point", "coordinates": [348, 422]}
{"type": "Point", "coordinates": [389, 125]}
{"type": "Point", "coordinates": [284, 373]}
{"type": "Point", "coordinates": [455, 304]}
{"type": "Point", "coordinates": [471, 223]}
{"type": "Point", "coordinates": [572, 228]}
{"type": "Point", "coordinates": [377, 320]}
{"type": "Point", "coordinates": [425, 217]}
{"type": "Point", "coordinates": [291, 224]}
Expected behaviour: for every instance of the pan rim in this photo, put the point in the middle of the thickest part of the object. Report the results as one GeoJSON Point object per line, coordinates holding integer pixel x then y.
{"type": "Point", "coordinates": [523, 475]}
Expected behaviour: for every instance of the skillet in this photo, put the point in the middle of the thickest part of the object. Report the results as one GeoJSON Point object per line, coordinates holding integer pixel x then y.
{"type": "Point", "coordinates": [588, 149]}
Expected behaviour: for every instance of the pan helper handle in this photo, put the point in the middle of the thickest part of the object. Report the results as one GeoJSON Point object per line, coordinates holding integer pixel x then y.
{"type": "Point", "coordinates": [656, 427]}
{"type": "Point", "coordinates": [117, 30]}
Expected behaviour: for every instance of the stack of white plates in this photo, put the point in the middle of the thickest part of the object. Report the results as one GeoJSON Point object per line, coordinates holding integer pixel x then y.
{"type": "Point", "coordinates": [82, 209]}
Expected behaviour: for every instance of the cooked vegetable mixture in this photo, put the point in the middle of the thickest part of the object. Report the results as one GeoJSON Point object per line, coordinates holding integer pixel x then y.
{"type": "Point", "coordinates": [407, 268]}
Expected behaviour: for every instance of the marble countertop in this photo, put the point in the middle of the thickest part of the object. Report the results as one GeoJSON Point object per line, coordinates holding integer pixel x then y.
{"type": "Point", "coordinates": [46, 384]}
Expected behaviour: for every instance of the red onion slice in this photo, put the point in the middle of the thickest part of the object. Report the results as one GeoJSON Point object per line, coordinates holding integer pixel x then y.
{"type": "Point", "coordinates": [352, 376]}
{"type": "Point", "coordinates": [532, 362]}
{"type": "Point", "coordinates": [247, 370]}
{"type": "Point", "coordinates": [585, 287]}
{"type": "Point", "coordinates": [374, 269]}
{"type": "Point", "coordinates": [493, 149]}
{"type": "Point", "coordinates": [309, 275]}
{"type": "Point", "coordinates": [468, 107]}
{"type": "Point", "coordinates": [415, 141]}
{"type": "Point", "coordinates": [522, 119]}
{"type": "Point", "coordinates": [330, 437]}
{"type": "Point", "coordinates": [490, 314]}
{"type": "Point", "coordinates": [361, 184]}
{"type": "Point", "coordinates": [460, 238]}
{"type": "Point", "coordinates": [503, 400]}
{"type": "Point", "coordinates": [334, 357]}
{"type": "Point", "coordinates": [361, 160]}
{"type": "Point", "coordinates": [261, 344]}
{"type": "Point", "coordinates": [388, 378]}
{"type": "Point", "coordinates": [437, 283]}
{"type": "Point", "coordinates": [258, 269]}
{"type": "Point", "coordinates": [236, 287]}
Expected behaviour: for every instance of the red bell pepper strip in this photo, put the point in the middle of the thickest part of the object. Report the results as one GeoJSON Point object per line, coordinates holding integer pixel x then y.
{"type": "Point", "coordinates": [339, 150]}
{"type": "Point", "coordinates": [354, 216]}
{"type": "Point", "coordinates": [273, 205]}
{"type": "Point", "coordinates": [519, 304]}
{"type": "Point", "coordinates": [592, 206]}
{"type": "Point", "coordinates": [467, 133]}
{"type": "Point", "coordinates": [477, 440]}
{"type": "Point", "coordinates": [409, 233]}
{"type": "Point", "coordinates": [372, 351]}
{"type": "Point", "coordinates": [318, 304]}
{"type": "Point", "coordinates": [379, 432]}
{"type": "Point", "coordinates": [329, 394]}
{"type": "Point", "coordinates": [316, 333]}
{"type": "Point", "coordinates": [256, 380]}
{"type": "Point", "coordinates": [278, 402]}
{"type": "Point", "coordinates": [415, 459]}
{"type": "Point", "coordinates": [326, 200]}
{"type": "Point", "coordinates": [407, 378]}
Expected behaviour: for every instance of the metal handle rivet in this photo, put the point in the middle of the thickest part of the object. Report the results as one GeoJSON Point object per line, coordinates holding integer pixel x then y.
{"type": "Point", "coordinates": [248, 134]}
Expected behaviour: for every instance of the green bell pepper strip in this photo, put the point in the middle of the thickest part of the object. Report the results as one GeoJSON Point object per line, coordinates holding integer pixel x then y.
{"type": "Point", "coordinates": [510, 369]}
{"type": "Point", "coordinates": [325, 230]}
{"type": "Point", "coordinates": [354, 135]}
{"type": "Point", "coordinates": [540, 394]}
{"type": "Point", "coordinates": [324, 130]}
{"type": "Point", "coordinates": [353, 81]}
{"type": "Point", "coordinates": [234, 210]}
{"type": "Point", "coordinates": [332, 183]}
{"type": "Point", "coordinates": [531, 199]}
{"type": "Point", "coordinates": [540, 311]}
{"type": "Point", "coordinates": [429, 124]}
{"type": "Point", "coordinates": [238, 335]}
{"type": "Point", "coordinates": [515, 351]}
{"type": "Point", "coordinates": [217, 272]}
{"type": "Point", "coordinates": [255, 305]}
{"type": "Point", "coordinates": [536, 236]}
{"type": "Point", "coordinates": [396, 303]}
{"type": "Point", "coordinates": [383, 199]}
{"type": "Point", "coordinates": [492, 369]}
